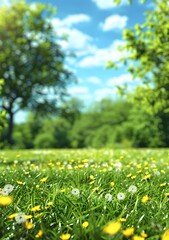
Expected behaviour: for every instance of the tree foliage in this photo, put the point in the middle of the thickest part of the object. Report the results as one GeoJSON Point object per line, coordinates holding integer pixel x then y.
{"type": "Point", "coordinates": [32, 62]}
{"type": "Point", "coordinates": [147, 47]}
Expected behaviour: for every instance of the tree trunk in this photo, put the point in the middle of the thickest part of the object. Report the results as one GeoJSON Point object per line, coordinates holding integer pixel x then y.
{"type": "Point", "coordinates": [10, 128]}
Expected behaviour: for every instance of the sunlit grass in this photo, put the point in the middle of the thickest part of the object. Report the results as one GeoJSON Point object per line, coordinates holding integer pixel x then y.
{"type": "Point", "coordinates": [84, 194]}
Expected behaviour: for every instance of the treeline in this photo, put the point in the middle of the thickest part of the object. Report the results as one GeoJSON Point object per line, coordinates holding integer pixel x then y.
{"type": "Point", "coordinates": [105, 124]}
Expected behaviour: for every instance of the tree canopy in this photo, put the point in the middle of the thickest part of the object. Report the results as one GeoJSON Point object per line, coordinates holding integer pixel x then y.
{"type": "Point", "coordinates": [147, 47]}
{"type": "Point", "coordinates": [32, 63]}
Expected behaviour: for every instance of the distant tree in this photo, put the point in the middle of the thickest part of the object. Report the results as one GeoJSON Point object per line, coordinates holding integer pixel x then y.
{"type": "Point", "coordinates": [31, 61]}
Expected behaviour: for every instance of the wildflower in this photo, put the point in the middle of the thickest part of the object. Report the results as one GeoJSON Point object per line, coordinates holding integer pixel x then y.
{"type": "Point", "coordinates": [165, 235]}
{"type": "Point", "coordinates": [122, 219]}
{"type": "Point", "coordinates": [108, 197]}
{"type": "Point", "coordinates": [85, 224]}
{"type": "Point", "coordinates": [4, 192]}
{"type": "Point", "coordinates": [5, 200]}
{"type": "Point", "coordinates": [120, 196]}
{"type": "Point", "coordinates": [118, 165]}
{"type": "Point", "coordinates": [112, 228]}
{"type": "Point", "coordinates": [145, 199]}
{"type": "Point", "coordinates": [128, 232]}
{"type": "Point", "coordinates": [9, 188]}
{"type": "Point", "coordinates": [65, 236]}
{"type": "Point", "coordinates": [112, 184]}
{"type": "Point", "coordinates": [28, 225]}
{"type": "Point", "coordinates": [147, 177]}
{"type": "Point", "coordinates": [19, 182]}
{"type": "Point", "coordinates": [75, 191]}
{"type": "Point", "coordinates": [39, 234]}
{"type": "Point", "coordinates": [136, 237]}
{"type": "Point", "coordinates": [91, 177]}
{"type": "Point", "coordinates": [28, 216]}
{"type": "Point", "coordinates": [163, 184]}
{"type": "Point", "coordinates": [38, 215]}
{"type": "Point", "coordinates": [143, 234]}
{"type": "Point", "coordinates": [20, 218]}
{"type": "Point", "coordinates": [12, 216]}
{"type": "Point", "coordinates": [36, 208]}
{"type": "Point", "coordinates": [43, 179]}
{"type": "Point", "coordinates": [132, 189]}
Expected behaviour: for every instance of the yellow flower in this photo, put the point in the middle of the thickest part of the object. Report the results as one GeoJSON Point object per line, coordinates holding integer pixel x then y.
{"type": "Point", "coordinates": [85, 224]}
{"type": "Point", "coordinates": [165, 235]}
{"type": "Point", "coordinates": [65, 236]}
{"type": "Point", "coordinates": [36, 208]}
{"type": "Point", "coordinates": [5, 200]}
{"type": "Point", "coordinates": [38, 215]}
{"type": "Point", "coordinates": [91, 177]}
{"type": "Point", "coordinates": [28, 225]}
{"type": "Point", "coordinates": [143, 234]}
{"type": "Point", "coordinates": [112, 228]}
{"type": "Point", "coordinates": [136, 237]}
{"type": "Point", "coordinates": [147, 177]}
{"type": "Point", "coordinates": [112, 184]}
{"type": "Point", "coordinates": [43, 179]}
{"type": "Point", "coordinates": [12, 216]}
{"type": "Point", "coordinates": [128, 232]}
{"type": "Point", "coordinates": [19, 182]}
{"type": "Point", "coordinates": [163, 184]}
{"type": "Point", "coordinates": [145, 199]}
{"type": "Point", "coordinates": [28, 216]}
{"type": "Point", "coordinates": [122, 219]}
{"type": "Point", "coordinates": [39, 234]}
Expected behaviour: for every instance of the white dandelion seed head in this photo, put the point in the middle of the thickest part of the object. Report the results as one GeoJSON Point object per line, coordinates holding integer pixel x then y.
{"type": "Point", "coordinates": [118, 165]}
{"type": "Point", "coordinates": [9, 188]}
{"type": "Point", "coordinates": [157, 173]}
{"type": "Point", "coordinates": [132, 189]}
{"type": "Point", "coordinates": [20, 218]}
{"type": "Point", "coordinates": [120, 196]}
{"type": "Point", "coordinates": [75, 191]}
{"type": "Point", "coordinates": [108, 197]}
{"type": "Point", "coordinates": [4, 192]}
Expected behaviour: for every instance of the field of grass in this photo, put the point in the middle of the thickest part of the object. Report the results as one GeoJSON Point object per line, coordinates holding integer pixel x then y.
{"type": "Point", "coordinates": [84, 194]}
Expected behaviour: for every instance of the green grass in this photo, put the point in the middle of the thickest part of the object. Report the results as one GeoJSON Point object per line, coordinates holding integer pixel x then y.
{"type": "Point", "coordinates": [42, 177]}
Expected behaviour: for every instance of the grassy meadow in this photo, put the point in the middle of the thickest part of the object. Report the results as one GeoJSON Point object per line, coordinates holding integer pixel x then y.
{"type": "Point", "coordinates": [84, 194]}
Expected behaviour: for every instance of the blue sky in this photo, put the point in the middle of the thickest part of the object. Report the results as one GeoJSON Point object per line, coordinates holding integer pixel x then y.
{"type": "Point", "coordinates": [94, 29]}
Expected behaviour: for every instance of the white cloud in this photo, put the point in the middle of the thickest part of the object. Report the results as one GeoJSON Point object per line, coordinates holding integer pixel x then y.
{"type": "Point", "coordinates": [78, 90]}
{"type": "Point", "coordinates": [105, 93]}
{"type": "Point", "coordinates": [107, 4]}
{"type": "Point", "coordinates": [123, 78]}
{"type": "Point", "coordinates": [75, 19]}
{"type": "Point", "coordinates": [100, 57]}
{"type": "Point", "coordinates": [114, 22]}
{"type": "Point", "coordinates": [94, 80]}
{"type": "Point", "coordinates": [77, 41]}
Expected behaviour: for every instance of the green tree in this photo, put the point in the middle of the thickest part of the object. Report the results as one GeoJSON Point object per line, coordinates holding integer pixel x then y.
{"type": "Point", "coordinates": [32, 62]}
{"type": "Point", "coordinates": [147, 47]}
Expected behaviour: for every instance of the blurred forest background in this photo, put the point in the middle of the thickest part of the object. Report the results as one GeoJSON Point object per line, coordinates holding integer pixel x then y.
{"type": "Point", "coordinates": [32, 64]}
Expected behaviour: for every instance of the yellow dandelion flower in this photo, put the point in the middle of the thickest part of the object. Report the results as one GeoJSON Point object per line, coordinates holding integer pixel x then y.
{"type": "Point", "coordinates": [37, 186]}
{"type": "Point", "coordinates": [19, 182]}
{"type": "Point", "coordinates": [129, 175]}
{"type": "Point", "coordinates": [12, 216]}
{"type": "Point", "coordinates": [146, 177]}
{"type": "Point", "coordinates": [63, 190]}
{"type": "Point", "coordinates": [163, 184]}
{"type": "Point", "coordinates": [39, 234]}
{"type": "Point", "coordinates": [112, 184]}
{"type": "Point", "coordinates": [65, 236]}
{"type": "Point", "coordinates": [85, 224]}
{"type": "Point", "coordinates": [167, 194]}
{"type": "Point", "coordinates": [28, 225]}
{"type": "Point", "coordinates": [143, 234]}
{"type": "Point", "coordinates": [91, 177]}
{"type": "Point", "coordinates": [112, 228]}
{"type": "Point", "coordinates": [128, 232]}
{"type": "Point", "coordinates": [91, 182]}
{"type": "Point", "coordinates": [38, 215]}
{"type": "Point", "coordinates": [36, 208]}
{"type": "Point", "coordinates": [28, 216]}
{"type": "Point", "coordinates": [133, 177]}
{"type": "Point", "coordinates": [122, 219]}
{"type": "Point", "coordinates": [136, 237]}
{"type": "Point", "coordinates": [165, 235]}
{"type": "Point", "coordinates": [5, 200]}
{"type": "Point", "coordinates": [43, 179]}
{"type": "Point", "coordinates": [145, 199]}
